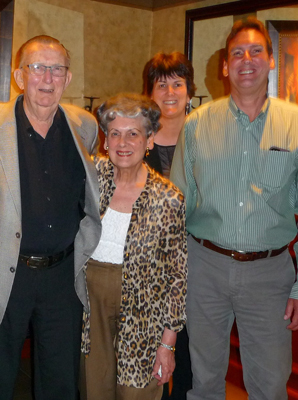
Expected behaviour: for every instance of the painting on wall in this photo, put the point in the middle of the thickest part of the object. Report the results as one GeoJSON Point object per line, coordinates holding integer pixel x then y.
{"type": "Point", "coordinates": [288, 60]}
{"type": "Point", "coordinates": [284, 36]}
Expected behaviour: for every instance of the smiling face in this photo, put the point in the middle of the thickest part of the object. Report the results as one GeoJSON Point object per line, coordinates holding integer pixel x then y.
{"type": "Point", "coordinates": [170, 93]}
{"type": "Point", "coordinates": [248, 63]}
{"type": "Point", "coordinates": [45, 91]}
{"type": "Point", "coordinates": [127, 142]}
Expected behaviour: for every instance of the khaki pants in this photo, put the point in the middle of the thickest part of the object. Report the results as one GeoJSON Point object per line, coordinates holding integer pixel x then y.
{"type": "Point", "coordinates": [104, 287]}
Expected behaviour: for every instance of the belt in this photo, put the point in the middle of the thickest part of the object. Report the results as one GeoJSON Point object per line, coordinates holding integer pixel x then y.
{"type": "Point", "coordinates": [238, 255]}
{"type": "Point", "coordinates": [36, 262]}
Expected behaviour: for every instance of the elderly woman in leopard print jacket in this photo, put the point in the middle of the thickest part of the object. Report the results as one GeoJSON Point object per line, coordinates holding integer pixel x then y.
{"type": "Point", "coordinates": [136, 278]}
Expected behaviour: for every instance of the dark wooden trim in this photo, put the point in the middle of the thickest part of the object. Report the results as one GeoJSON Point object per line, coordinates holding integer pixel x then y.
{"type": "Point", "coordinates": [188, 37]}
{"type": "Point", "coordinates": [222, 10]}
{"type": "Point", "coordinates": [6, 30]}
{"type": "Point", "coordinates": [3, 4]}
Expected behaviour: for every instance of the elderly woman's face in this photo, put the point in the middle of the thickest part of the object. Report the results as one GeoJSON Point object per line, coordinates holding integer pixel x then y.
{"type": "Point", "coordinates": [127, 141]}
{"type": "Point", "coordinates": [170, 93]}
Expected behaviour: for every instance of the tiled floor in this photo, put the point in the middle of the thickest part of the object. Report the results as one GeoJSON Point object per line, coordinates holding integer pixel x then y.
{"type": "Point", "coordinates": [23, 386]}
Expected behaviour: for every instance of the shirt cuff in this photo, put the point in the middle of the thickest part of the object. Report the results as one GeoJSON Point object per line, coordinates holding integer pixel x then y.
{"type": "Point", "coordinates": [294, 291]}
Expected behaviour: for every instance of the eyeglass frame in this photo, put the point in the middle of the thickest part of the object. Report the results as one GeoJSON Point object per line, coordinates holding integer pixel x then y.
{"type": "Point", "coordinates": [32, 72]}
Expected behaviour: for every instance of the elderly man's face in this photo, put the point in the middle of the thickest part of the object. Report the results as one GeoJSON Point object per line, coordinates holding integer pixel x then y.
{"type": "Point", "coordinates": [248, 63]}
{"type": "Point", "coordinates": [42, 92]}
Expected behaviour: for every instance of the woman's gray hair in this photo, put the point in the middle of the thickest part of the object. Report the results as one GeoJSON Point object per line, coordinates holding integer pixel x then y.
{"type": "Point", "coordinates": [130, 105]}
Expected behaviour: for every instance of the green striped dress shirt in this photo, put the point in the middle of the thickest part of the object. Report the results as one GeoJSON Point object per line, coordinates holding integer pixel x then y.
{"type": "Point", "coordinates": [240, 177]}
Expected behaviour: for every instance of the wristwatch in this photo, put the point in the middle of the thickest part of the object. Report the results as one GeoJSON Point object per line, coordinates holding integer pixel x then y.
{"type": "Point", "coordinates": [166, 346]}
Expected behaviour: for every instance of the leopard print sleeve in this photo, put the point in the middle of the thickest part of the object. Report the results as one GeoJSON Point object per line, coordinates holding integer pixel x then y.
{"type": "Point", "coordinates": [174, 244]}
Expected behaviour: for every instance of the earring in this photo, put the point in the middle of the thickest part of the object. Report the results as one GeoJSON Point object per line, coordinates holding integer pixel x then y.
{"type": "Point", "coordinates": [188, 107]}
{"type": "Point", "coordinates": [147, 152]}
{"type": "Point", "coordinates": [107, 150]}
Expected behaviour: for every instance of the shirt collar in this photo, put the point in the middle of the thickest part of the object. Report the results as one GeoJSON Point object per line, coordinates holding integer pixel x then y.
{"type": "Point", "coordinates": [20, 113]}
{"type": "Point", "coordinates": [235, 110]}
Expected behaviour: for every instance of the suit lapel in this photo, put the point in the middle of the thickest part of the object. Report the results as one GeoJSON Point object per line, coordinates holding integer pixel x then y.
{"type": "Point", "coordinates": [79, 139]}
{"type": "Point", "coordinates": [92, 190]}
{"type": "Point", "coordinates": [9, 157]}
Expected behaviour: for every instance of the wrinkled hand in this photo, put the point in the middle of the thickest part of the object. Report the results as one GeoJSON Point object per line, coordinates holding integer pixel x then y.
{"type": "Point", "coordinates": [166, 359]}
{"type": "Point", "coordinates": [292, 314]}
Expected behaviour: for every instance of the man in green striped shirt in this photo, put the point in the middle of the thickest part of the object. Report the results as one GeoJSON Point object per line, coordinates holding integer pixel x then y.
{"type": "Point", "coordinates": [236, 162]}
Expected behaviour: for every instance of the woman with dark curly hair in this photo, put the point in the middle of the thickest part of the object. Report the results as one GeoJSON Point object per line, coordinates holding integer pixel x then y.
{"type": "Point", "coordinates": [168, 80]}
{"type": "Point", "coordinates": [136, 278]}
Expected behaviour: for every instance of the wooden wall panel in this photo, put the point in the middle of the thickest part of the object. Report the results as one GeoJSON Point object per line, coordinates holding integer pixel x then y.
{"type": "Point", "coordinates": [6, 24]}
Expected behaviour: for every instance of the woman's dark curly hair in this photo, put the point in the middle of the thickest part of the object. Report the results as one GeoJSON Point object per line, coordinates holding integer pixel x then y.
{"type": "Point", "coordinates": [129, 105]}
{"type": "Point", "coordinates": [168, 65]}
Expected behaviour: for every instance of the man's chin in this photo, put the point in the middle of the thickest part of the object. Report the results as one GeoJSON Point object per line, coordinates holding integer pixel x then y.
{"type": "Point", "coordinates": [47, 102]}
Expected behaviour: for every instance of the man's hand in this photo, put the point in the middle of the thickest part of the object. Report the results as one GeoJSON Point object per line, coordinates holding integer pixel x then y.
{"type": "Point", "coordinates": [292, 313]}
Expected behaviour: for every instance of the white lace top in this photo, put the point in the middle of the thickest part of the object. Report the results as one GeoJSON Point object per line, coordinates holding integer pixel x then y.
{"type": "Point", "coordinates": [113, 235]}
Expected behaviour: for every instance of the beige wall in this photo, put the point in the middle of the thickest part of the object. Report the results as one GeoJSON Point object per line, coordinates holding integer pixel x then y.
{"type": "Point", "coordinates": [109, 44]}
{"type": "Point", "coordinates": [168, 29]}
{"type": "Point", "coordinates": [207, 60]}
{"type": "Point", "coordinates": [117, 45]}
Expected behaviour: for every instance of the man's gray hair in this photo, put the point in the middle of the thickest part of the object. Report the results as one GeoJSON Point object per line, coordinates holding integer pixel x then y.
{"type": "Point", "coordinates": [42, 39]}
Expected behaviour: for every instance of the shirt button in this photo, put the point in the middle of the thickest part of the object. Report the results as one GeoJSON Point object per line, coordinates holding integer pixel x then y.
{"type": "Point", "coordinates": [125, 276]}
{"type": "Point", "coordinates": [50, 226]}
{"type": "Point", "coordinates": [123, 318]}
{"type": "Point", "coordinates": [46, 172]}
{"type": "Point", "coordinates": [18, 235]}
{"type": "Point", "coordinates": [240, 204]}
{"type": "Point", "coordinates": [48, 198]}
{"type": "Point", "coordinates": [245, 153]}
{"type": "Point", "coordinates": [12, 269]}
{"type": "Point", "coordinates": [127, 255]}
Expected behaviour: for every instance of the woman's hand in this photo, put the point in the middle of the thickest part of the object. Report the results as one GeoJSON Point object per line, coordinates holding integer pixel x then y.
{"type": "Point", "coordinates": [165, 358]}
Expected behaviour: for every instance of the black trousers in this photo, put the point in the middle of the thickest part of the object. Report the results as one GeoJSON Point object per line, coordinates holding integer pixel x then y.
{"type": "Point", "coordinates": [47, 298]}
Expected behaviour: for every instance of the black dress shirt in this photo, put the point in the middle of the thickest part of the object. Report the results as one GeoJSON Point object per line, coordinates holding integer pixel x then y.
{"type": "Point", "coordinates": [52, 179]}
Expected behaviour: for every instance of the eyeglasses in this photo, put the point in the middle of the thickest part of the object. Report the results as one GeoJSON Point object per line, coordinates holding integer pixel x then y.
{"type": "Point", "coordinates": [39, 69]}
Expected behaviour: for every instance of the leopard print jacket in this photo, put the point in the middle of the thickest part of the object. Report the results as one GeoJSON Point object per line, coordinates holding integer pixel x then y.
{"type": "Point", "coordinates": [154, 273]}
